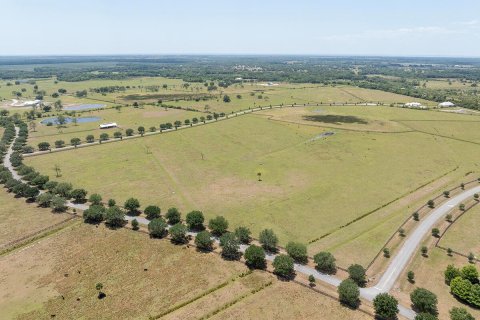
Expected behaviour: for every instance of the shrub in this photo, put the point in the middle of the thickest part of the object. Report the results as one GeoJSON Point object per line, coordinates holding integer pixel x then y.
{"type": "Point", "coordinates": [50, 185]}
{"type": "Point", "coordinates": [195, 220]}
{"type": "Point", "coordinates": [178, 232]}
{"type": "Point", "coordinates": [431, 203]}
{"type": "Point", "coordinates": [157, 228]}
{"type": "Point", "coordinates": [58, 204]}
{"type": "Point", "coordinates": [435, 232]}
{"type": "Point", "coordinates": [424, 301]}
{"type": "Point", "coordinates": [44, 199]}
{"type": "Point", "coordinates": [90, 138]}
{"type": "Point", "coordinates": [79, 194]}
{"type": "Point", "coordinates": [243, 235]}
{"type": "Point", "coordinates": [269, 240]}
{"type": "Point", "coordinates": [470, 273]}
{"type": "Point", "coordinates": [230, 246]}
{"type": "Point", "coordinates": [386, 306]}
{"type": "Point", "coordinates": [173, 216]}
{"type": "Point", "coordinates": [63, 189]}
{"type": "Point", "coordinates": [283, 265]}
{"type": "Point", "coordinates": [349, 293]}
{"type": "Point", "coordinates": [411, 276]}
{"type": "Point", "coordinates": [204, 241]}
{"type": "Point", "coordinates": [425, 316]}
{"type": "Point", "coordinates": [325, 262]}
{"type": "Point", "coordinates": [218, 225]}
{"type": "Point", "coordinates": [255, 257]}
{"type": "Point", "coordinates": [135, 224]}
{"type": "Point", "coordinates": [297, 251]}
{"type": "Point", "coordinates": [416, 216]}
{"type": "Point", "coordinates": [95, 199]}
{"type": "Point", "coordinates": [129, 132]}
{"type": "Point", "coordinates": [152, 212]}
{"type": "Point", "coordinates": [424, 251]}
{"type": "Point", "coordinates": [471, 257]}
{"type": "Point", "coordinates": [461, 288]}
{"type": "Point", "coordinates": [112, 202]}
{"type": "Point", "coordinates": [460, 314]}
{"type": "Point", "coordinates": [357, 273]}
{"type": "Point", "coordinates": [386, 252]}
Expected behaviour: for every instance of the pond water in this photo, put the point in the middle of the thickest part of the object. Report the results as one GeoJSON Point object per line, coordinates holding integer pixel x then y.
{"type": "Point", "coordinates": [70, 120]}
{"type": "Point", "coordinates": [84, 107]}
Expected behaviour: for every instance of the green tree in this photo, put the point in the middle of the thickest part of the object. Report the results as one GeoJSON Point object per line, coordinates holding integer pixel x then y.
{"type": "Point", "coordinates": [283, 265]}
{"type": "Point", "coordinates": [461, 288]}
{"type": "Point", "coordinates": [218, 225]}
{"type": "Point", "coordinates": [117, 135]}
{"type": "Point", "coordinates": [95, 199]}
{"type": "Point", "coordinates": [358, 274]}
{"type": "Point", "coordinates": [58, 204]}
{"type": "Point", "coordinates": [195, 220]}
{"type": "Point", "coordinates": [44, 199]}
{"type": "Point", "coordinates": [411, 276]}
{"type": "Point", "coordinates": [132, 206]}
{"type": "Point", "coordinates": [435, 232]}
{"type": "Point", "coordinates": [230, 246]}
{"type": "Point", "coordinates": [43, 146]}
{"type": "Point", "coordinates": [94, 214]}
{"type": "Point", "coordinates": [386, 306]}
{"type": "Point", "coordinates": [424, 300]}
{"type": "Point", "coordinates": [173, 216]}
{"type": "Point", "coordinates": [431, 203]}
{"type": "Point", "coordinates": [416, 216]}
{"type": "Point", "coordinates": [178, 232]}
{"type": "Point", "coordinates": [75, 142]}
{"type": "Point", "coordinates": [243, 235]}
{"type": "Point", "coordinates": [226, 99]}
{"type": "Point", "coordinates": [115, 217]}
{"type": "Point", "coordinates": [255, 257]}
{"type": "Point", "coordinates": [424, 251]}
{"type": "Point", "coordinates": [152, 212]}
{"type": "Point", "coordinates": [425, 316]}
{"type": "Point", "coordinates": [349, 293]}
{"type": "Point", "coordinates": [135, 224]}
{"type": "Point", "coordinates": [79, 195]}
{"type": "Point", "coordinates": [457, 313]}
{"type": "Point", "coordinates": [157, 228]}
{"type": "Point", "coordinates": [204, 241]}
{"type": "Point", "coordinates": [298, 251]}
{"type": "Point", "coordinates": [59, 144]}
{"type": "Point", "coordinates": [141, 130]}
{"type": "Point", "coordinates": [325, 262]}
{"type": "Point", "coordinates": [63, 189]}
{"type": "Point", "coordinates": [129, 132]}
{"type": "Point", "coordinates": [269, 240]}
{"type": "Point", "coordinates": [90, 138]}
{"type": "Point", "coordinates": [104, 136]}
{"type": "Point", "coordinates": [112, 202]}
{"type": "Point", "coordinates": [470, 273]}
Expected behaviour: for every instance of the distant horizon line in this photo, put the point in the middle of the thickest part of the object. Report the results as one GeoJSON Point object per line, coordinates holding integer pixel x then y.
{"type": "Point", "coordinates": [232, 55]}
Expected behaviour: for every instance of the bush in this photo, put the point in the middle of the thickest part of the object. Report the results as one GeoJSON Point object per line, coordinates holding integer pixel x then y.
{"type": "Point", "coordinates": [115, 217]}
{"type": "Point", "coordinates": [111, 202]}
{"type": "Point", "coordinates": [297, 251]}
{"type": "Point", "coordinates": [230, 246]}
{"type": "Point", "coordinates": [283, 266]}
{"type": "Point", "coordinates": [178, 232]}
{"type": "Point", "coordinates": [157, 228]}
{"type": "Point", "coordinates": [132, 206]}
{"type": "Point", "coordinates": [135, 224]}
{"type": "Point", "coordinates": [431, 203]}
{"type": "Point", "coordinates": [243, 235]}
{"type": "Point", "coordinates": [50, 185]}
{"type": "Point", "coordinates": [94, 214]}
{"type": "Point", "coordinates": [218, 225]}
{"type": "Point", "coordinates": [460, 288]}
{"type": "Point", "coordinates": [129, 132]}
{"type": "Point", "coordinates": [79, 194]}
{"type": "Point", "coordinates": [411, 276]}
{"type": "Point", "coordinates": [470, 273]}
{"type": "Point", "coordinates": [424, 251]}
{"type": "Point", "coordinates": [349, 293]}
{"type": "Point", "coordinates": [63, 189]}
{"type": "Point", "coordinates": [255, 257]}
{"type": "Point", "coordinates": [152, 212]}
{"type": "Point", "coordinates": [325, 262]}
{"type": "Point", "coordinates": [386, 306]}
{"type": "Point", "coordinates": [357, 273]}
{"type": "Point", "coordinates": [416, 216]}
{"type": "Point", "coordinates": [44, 199]}
{"type": "Point", "coordinates": [195, 220]}
{"type": "Point", "coordinates": [95, 199]}
{"type": "Point", "coordinates": [90, 138]}
{"type": "Point", "coordinates": [204, 241]}
{"type": "Point", "coordinates": [460, 314]}
{"type": "Point", "coordinates": [435, 232]}
{"type": "Point", "coordinates": [173, 216]}
{"type": "Point", "coordinates": [58, 204]}
{"type": "Point", "coordinates": [424, 301]}
{"type": "Point", "coordinates": [425, 316]}
{"type": "Point", "coordinates": [269, 240]}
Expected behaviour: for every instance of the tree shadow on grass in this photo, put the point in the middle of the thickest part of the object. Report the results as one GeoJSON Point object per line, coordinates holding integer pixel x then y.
{"type": "Point", "coordinates": [335, 119]}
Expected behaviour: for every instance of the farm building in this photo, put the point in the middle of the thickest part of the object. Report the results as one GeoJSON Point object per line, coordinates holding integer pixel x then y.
{"type": "Point", "coordinates": [414, 105]}
{"type": "Point", "coordinates": [108, 125]}
{"type": "Point", "coordinates": [446, 104]}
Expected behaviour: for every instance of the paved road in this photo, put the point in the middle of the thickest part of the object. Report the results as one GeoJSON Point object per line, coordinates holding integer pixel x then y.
{"type": "Point", "coordinates": [395, 268]}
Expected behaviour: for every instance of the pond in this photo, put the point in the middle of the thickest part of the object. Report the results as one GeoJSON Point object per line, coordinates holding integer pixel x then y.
{"type": "Point", "coordinates": [53, 121]}
{"type": "Point", "coordinates": [84, 107]}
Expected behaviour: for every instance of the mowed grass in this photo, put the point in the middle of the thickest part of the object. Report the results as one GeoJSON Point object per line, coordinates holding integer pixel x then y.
{"type": "Point", "coordinates": [19, 219]}
{"type": "Point", "coordinates": [464, 235]}
{"type": "Point", "coordinates": [127, 117]}
{"type": "Point", "coordinates": [142, 277]}
{"type": "Point", "coordinates": [284, 300]}
{"type": "Point", "coordinates": [308, 188]}
{"type": "Point", "coordinates": [429, 274]}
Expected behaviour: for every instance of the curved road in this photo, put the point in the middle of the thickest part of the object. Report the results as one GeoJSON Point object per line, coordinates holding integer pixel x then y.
{"type": "Point", "coordinates": [390, 276]}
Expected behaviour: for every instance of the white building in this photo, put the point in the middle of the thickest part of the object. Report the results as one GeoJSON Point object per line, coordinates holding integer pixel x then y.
{"type": "Point", "coordinates": [108, 125]}
{"type": "Point", "coordinates": [416, 105]}
{"type": "Point", "coordinates": [446, 104]}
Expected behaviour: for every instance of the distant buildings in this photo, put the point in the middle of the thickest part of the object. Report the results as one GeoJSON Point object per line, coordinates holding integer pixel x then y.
{"type": "Point", "coordinates": [108, 125]}
{"type": "Point", "coordinates": [446, 104]}
{"type": "Point", "coordinates": [414, 105]}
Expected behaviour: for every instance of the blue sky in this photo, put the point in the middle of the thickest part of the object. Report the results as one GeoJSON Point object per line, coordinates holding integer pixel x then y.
{"type": "Point", "coordinates": [333, 27]}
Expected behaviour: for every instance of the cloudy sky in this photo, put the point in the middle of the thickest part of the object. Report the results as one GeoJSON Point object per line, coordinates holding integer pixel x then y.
{"type": "Point", "coordinates": [323, 27]}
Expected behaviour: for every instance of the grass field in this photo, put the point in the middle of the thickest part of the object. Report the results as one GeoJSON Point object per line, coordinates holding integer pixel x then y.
{"type": "Point", "coordinates": [309, 184]}
{"type": "Point", "coordinates": [429, 275]}
{"type": "Point", "coordinates": [127, 117]}
{"type": "Point", "coordinates": [463, 236]}
{"type": "Point", "coordinates": [19, 219]}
